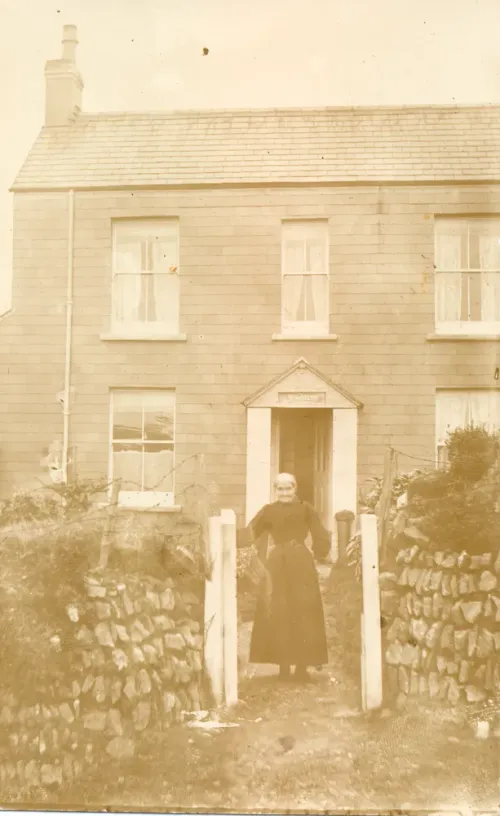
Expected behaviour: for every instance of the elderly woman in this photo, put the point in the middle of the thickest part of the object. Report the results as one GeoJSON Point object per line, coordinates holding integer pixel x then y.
{"type": "Point", "coordinates": [289, 626]}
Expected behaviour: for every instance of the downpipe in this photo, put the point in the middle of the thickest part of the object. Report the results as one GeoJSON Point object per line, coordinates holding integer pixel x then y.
{"type": "Point", "coordinates": [68, 342]}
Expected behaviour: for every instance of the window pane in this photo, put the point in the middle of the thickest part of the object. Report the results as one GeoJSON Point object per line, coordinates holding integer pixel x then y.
{"type": "Point", "coordinates": [474, 303]}
{"type": "Point", "coordinates": [165, 253]}
{"type": "Point", "coordinates": [127, 255]}
{"type": "Point", "coordinates": [159, 468]}
{"type": "Point", "coordinates": [305, 298]}
{"type": "Point", "coordinates": [164, 299]}
{"type": "Point", "coordinates": [147, 298]}
{"type": "Point", "coordinates": [127, 424]}
{"type": "Point", "coordinates": [127, 295]}
{"type": "Point", "coordinates": [318, 303]}
{"type": "Point", "coordinates": [131, 399]}
{"type": "Point", "coordinates": [292, 289]}
{"type": "Point", "coordinates": [127, 466]}
{"type": "Point", "coordinates": [490, 296]}
{"type": "Point", "coordinates": [159, 425]}
{"type": "Point", "coordinates": [294, 257]}
{"type": "Point", "coordinates": [451, 250]}
{"type": "Point", "coordinates": [489, 248]}
{"type": "Point", "coordinates": [315, 257]}
{"type": "Point", "coordinates": [448, 296]}
{"type": "Point", "coordinates": [147, 312]}
{"type": "Point", "coordinates": [451, 413]}
{"type": "Point", "coordinates": [484, 409]}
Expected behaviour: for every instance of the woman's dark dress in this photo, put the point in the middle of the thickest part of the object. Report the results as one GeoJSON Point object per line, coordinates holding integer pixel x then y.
{"type": "Point", "coordinates": [291, 629]}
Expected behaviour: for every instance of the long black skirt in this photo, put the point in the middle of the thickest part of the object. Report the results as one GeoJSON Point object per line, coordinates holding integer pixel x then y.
{"type": "Point", "coordinates": [289, 628]}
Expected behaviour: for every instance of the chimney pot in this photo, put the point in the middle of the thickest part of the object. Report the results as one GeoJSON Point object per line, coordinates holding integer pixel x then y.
{"type": "Point", "coordinates": [69, 42]}
{"type": "Point", "coordinates": [64, 85]}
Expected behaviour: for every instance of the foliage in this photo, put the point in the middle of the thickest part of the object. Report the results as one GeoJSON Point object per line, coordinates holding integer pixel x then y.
{"type": "Point", "coordinates": [399, 487]}
{"type": "Point", "coordinates": [462, 519]}
{"type": "Point", "coordinates": [51, 502]}
{"type": "Point", "coordinates": [41, 571]}
{"type": "Point", "coordinates": [472, 452]}
{"type": "Point", "coordinates": [457, 508]}
{"type": "Point", "coordinates": [49, 540]}
{"type": "Point", "coordinates": [353, 555]}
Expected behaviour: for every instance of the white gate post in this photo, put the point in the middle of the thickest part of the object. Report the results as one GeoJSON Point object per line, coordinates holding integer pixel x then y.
{"type": "Point", "coordinates": [229, 607]}
{"type": "Point", "coordinates": [371, 631]}
{"type": "Point", "coordinates": [214, 655]}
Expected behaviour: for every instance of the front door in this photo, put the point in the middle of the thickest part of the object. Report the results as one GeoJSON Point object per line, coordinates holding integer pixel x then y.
{"type": "Point", "coordinates": [301, 441]}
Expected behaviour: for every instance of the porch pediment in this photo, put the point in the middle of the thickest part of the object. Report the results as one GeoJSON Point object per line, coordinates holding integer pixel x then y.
{"type": "Point", "coordinates": [302, 386]}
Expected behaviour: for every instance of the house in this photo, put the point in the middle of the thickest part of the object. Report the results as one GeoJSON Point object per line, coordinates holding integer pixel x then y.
{"type": "Point", "coordinates": [272, 289]}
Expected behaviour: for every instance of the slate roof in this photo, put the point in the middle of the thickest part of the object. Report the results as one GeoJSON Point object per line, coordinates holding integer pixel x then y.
{"type": "Point", "coordinates": [267, 146]}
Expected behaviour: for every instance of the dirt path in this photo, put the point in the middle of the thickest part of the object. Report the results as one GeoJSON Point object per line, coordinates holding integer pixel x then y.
{"type": "Point", "coordinates": [307, 748]}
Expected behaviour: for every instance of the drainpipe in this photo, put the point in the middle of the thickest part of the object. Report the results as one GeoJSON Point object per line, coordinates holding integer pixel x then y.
{"type": "Point", "coordinates": [69, 326]}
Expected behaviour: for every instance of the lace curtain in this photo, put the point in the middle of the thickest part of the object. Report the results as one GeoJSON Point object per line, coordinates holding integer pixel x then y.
{"type": "Point", "coordinates": [146, 282]}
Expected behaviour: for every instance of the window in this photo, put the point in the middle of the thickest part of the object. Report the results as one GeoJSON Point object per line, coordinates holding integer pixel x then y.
{"type": "Point", "coordinates": [467, 260]}
{"type": "Point", "coordinates": [305, 285]}
{"type": "Point", "coordinates": [142, 446]}
{"type": "Point", "coordinates": [146, 277]}
{"type": "Point", "coordinates": [460, 409]}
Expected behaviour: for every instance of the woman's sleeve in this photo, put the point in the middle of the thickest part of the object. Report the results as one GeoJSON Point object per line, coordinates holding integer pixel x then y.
{"type": "Point", "coordinates": [258, 529]}
{"type": "Point", "coordinates": [261, 523]}
{"type": "Point", "coordinates": [321, 538]}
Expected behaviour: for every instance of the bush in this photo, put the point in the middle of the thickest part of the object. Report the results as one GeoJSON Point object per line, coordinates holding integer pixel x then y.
{"type": "Point", "coordinates": [457, 508]}
{"type": "Point", "coordinates": [41, 572]}
{"type": "Point", "coordinates": [51, 502]}
{"type": "Point", "coordinates": [399, 486]}
{"type": "Point", "coordinates": [472, 452]}
{"type": "Point", "coordinates": [461, 520]}
{"type": "Point", "coordinates": [49, 541]}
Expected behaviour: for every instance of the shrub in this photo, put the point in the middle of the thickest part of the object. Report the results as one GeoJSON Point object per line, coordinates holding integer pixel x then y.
{"type": "Point", "coordinates": [48, 542]}
{"type": "Point", "coordinates": [41, 572]}
{"type": "Point", "coordinates": [462, 520]}
{"type": "Point", "coordinates": [457, 508]}
{"type": "Point", "coordinates": [472, 452]}
{"type": "Point", "coordinates": [51, 502]}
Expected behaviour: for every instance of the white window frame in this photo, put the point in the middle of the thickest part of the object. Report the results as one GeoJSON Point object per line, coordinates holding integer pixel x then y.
{"type": "Point", "coordinates": [302, 230]}
{"type": "Point", "coordinates": [148, 227]}
{"type": "Point", "coordinates": [455, 395]}
{"type": "Point", "coordinates": [140, 498]}
{"type": "Point", "coordinates": [462, 327]}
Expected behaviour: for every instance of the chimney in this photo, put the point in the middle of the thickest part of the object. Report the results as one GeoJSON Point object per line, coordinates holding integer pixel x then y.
{"type": "Point", "coordinates": [63, 83]}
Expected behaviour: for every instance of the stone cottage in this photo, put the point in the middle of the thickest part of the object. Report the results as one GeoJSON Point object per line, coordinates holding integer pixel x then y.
{"type": "Point", "coordinates": [291, 289]}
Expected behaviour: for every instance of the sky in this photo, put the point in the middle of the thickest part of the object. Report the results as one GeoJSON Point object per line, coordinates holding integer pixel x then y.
{"type": "Point", "coordinates": [148, 55]}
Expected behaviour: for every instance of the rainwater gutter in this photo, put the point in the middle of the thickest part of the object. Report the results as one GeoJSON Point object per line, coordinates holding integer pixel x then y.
{"type": "Point", "coordinates": [69, 327]}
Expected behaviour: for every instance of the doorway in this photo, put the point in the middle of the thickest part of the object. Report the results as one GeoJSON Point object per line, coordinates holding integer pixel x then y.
{"type": "Point", "coordinates": [302, 445]}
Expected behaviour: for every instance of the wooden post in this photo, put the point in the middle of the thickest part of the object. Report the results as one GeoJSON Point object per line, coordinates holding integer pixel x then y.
{"type": "Point", "coordinates": [229, 607]}
{"type": "Point", "coordinates": [213, 612]}
{"type": "Point", "coordinates": [109, 526]}
{"type": "Point", "coordinates": [371, 652]}
{"type": "Point", "coordinates": [384, 503]}
{"type": "Point", "coordinates": [363, 665]}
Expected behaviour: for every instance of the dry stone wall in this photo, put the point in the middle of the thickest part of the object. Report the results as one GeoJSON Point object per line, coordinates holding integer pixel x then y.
{"type": "Point", "coordinates": [136, 658]}
{"type": "Point", "coordinates": [441, 615]}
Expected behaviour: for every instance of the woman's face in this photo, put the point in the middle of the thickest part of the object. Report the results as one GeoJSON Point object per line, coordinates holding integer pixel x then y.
{"type": "Point", "coordinates": [285, 491]}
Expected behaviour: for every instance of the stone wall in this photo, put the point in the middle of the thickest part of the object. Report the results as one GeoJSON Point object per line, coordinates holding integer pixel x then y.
{"type": "Point", "coordinates": [135, 650]}
{"type": "Point", "coordinates": [441, 615]}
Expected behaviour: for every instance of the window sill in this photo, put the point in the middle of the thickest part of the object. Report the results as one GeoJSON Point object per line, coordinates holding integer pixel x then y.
{"type": "Point", "coordinates": [146, 338]}
{"type": "Point", "coordinates": [301, 337]}
{"type": "Point", "coordinates": [460, 337]}
{"type": "Point", "coordinates": [173, 508]}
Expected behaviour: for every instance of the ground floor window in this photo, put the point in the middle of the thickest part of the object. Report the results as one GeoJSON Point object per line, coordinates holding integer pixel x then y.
{"type": "Point", "coordinates": [459, 409]}
{"type": "Point", "coordinates": [142, 452]}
